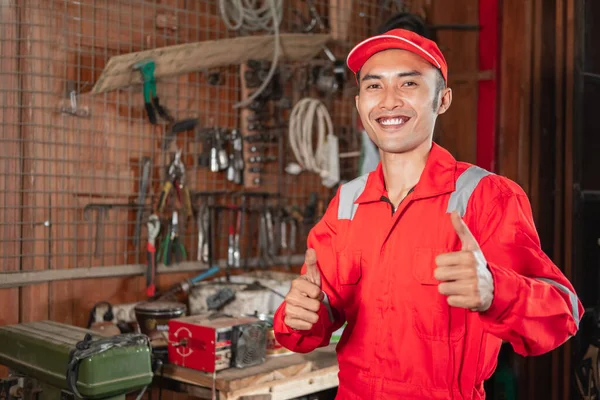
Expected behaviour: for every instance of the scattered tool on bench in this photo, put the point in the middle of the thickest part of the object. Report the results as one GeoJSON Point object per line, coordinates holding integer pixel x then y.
{"type": "Point", "coordinates": [153, 225]}
{"type": "Point", "coordinates": [151, 102]}
{"type": "Point", "coordinates": [186, 285]}
{"type": "Point", "coordinates": [171, 244]}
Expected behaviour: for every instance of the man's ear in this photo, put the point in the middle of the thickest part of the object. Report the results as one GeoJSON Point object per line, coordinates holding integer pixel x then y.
{"type": "Point", "coordinates": [446, 101]}
{"type": "Point", "coordinates": [356, 102]}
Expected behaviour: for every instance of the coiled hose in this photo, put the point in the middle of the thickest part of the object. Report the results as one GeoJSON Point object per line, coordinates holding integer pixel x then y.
{"type": "Point", "coordinates": [305, 114]}
{"type": "Point", "coordinates": [251, 16]}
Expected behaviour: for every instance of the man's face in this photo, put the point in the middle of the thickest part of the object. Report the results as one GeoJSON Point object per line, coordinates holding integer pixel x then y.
{"type": "Point", "coordinates": [399, 100]}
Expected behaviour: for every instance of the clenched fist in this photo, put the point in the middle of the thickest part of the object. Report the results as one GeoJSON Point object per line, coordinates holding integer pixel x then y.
{"type": "Point", "coordinates": [303, 301]}
{"type": "Point", "coordinates": [464, 275]}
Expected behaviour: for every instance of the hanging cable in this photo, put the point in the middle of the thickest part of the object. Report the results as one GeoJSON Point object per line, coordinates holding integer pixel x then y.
{"type": "Point", "coordinates": [324, 159]}
{"type": "Point", "coordinates": [250, 16]}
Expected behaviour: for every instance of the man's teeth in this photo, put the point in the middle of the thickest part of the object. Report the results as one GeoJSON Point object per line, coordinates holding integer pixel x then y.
{"type": "Point", "coordinates": [391, 121]}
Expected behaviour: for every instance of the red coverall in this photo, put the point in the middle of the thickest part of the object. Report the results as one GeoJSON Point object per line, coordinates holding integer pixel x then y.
{"type": "Point", "coordinates": [402, 340]}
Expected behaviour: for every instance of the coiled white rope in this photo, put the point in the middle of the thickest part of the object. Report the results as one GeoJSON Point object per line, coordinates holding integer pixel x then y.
{"type": "Point", "coordinates": [304, 115]}
{"type": "Point", "coordinates": [252, 17]}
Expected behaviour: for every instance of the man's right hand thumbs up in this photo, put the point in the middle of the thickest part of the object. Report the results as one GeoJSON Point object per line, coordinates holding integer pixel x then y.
{"type": "Point", "coordinates": [303, 301]}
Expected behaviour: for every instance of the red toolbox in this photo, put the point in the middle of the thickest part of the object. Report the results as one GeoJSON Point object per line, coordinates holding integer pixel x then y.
{"type": "Point", "coordinates": [209, 344]}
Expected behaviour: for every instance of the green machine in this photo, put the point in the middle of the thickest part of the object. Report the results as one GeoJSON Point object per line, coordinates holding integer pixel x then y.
{"type": "Point", "coordinates": [49, 360]}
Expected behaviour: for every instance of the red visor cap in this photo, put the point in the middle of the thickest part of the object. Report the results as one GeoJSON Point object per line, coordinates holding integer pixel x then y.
{"type": "Point", "coordinates": [401, 39]}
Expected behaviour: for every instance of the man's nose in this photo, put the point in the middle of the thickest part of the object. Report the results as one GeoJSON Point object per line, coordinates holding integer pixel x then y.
{"type": "Point", "coordinates": [391, 99]}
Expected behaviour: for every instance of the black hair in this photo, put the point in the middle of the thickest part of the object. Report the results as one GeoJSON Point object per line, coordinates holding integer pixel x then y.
{"type": "Point", "coordinates": [408, 21]}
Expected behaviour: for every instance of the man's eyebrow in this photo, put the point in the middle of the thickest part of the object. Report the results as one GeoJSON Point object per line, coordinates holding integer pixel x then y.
{"type": "Point", "coordinates": [409, 73]}
{"type": "Point", "coordinates": [370, 77]}
{"type": "Point", "coordinates": [399, 75]}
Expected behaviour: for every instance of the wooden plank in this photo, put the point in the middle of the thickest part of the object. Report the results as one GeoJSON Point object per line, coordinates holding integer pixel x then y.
{"type": "Point", "coordinates": [16, 279]}
{"type": "Point", "coordinates": [273, 369]}
{"type": "Point", "coordinates": [190, 57]}
{"type": "Point", "coordinates": [290, 388]}
{"type": "Point", "coordinates": [10, 165]}
{"type": "Point", "coordinates": [240, 380]}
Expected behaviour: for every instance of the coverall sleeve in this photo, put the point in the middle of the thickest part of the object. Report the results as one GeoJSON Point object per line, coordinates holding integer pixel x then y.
{"type": "Point", "coordinates": [321, 238]}
{"type": "Point", "coordinates": [535, 307]}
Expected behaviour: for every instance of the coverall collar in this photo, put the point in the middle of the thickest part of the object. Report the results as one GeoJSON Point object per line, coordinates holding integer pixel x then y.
{"type": "Point", "coordinates": [437, 178]}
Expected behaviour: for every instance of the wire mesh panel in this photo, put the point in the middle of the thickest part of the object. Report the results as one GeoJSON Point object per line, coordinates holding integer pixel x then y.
{"type": "Point", "coordinates": [73, 162]}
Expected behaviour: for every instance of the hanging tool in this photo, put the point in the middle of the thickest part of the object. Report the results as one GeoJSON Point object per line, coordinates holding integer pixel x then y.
{"type": "Point", "coordinates": [176, 174]}
{"type": "Point", "coordinates": [171, 244]}
{"type": "Point", "coordinates": [101, 215]}
{"type": "Point", "coordinates": [73, 108]}
{"type": "Point", "coordinates": [233, 238]}
{"type": "Point", "coordinates": [151, 102]}
{"type": "Point", "coordinates": [236, 164]}
{"type": "Point", "coordinates": [308, 26]}
{"type": "Point", "coordinates": [145, 177]}
{"type": "Point", "coordinates": [237, 257]}
{"type": "Point", "coordinates": [219, 159]}
{"type": "Point", "coordinates": [184, 125]}
{"type": "Point", "coordinates": [262, 159]}
{"type": "Point", "coordinates": [230, 248]}
{"type": "Point", "coordinates": [203, 220]}
{"type": "Point", "coordinates": [153, 225]}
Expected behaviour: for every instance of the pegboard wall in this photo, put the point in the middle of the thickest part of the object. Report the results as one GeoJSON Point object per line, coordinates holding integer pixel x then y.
{"type": "Point", "coordinates": [73, 161]}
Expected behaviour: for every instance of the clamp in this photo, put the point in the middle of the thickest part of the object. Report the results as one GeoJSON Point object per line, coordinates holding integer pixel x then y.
{"type": "Point", "coordinates": [151, 102]}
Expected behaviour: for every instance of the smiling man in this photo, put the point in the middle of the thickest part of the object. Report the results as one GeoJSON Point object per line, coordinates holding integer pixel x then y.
{"type": "Point", "coordinates": [432, 262]}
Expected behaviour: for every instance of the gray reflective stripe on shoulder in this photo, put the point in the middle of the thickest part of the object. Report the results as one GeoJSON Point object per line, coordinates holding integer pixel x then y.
{"type": "Point", "coordinates": [349, 192]}
{"type": "Point", "coordinates": [465, 186]}
{"type": "Point", "coordinates": [572, 297]}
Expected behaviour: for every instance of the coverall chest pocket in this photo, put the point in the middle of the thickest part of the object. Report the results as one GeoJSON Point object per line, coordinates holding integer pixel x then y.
{"type": "Point", "coordinates": [349, 268]}
{"type": "Point", "coordinates": [433, 318]}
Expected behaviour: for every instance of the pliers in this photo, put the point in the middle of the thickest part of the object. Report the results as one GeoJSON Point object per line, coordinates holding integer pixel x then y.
{"type": "Point", "coordinates": [171, 244]}
{"type": "Point", "coordinates": [176, 174]}
{"type": "Point", "coordinates": [151, 102]}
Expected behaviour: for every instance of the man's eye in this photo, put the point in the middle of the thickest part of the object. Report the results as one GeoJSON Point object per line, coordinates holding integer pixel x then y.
{"type": "Point", "coordinates": [409, 83]}
{"type": "Point", "coordinates": [373, 86]}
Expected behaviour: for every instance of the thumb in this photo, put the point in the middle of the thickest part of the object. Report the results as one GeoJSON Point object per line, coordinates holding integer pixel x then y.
{"type": "Point", "coordinates": [312, 270]}
{"type": "Point", "coordinates": [462, 230]}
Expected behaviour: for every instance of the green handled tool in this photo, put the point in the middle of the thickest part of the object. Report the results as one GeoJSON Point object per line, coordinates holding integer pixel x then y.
{"type": "Point", "coordinates": [171, 244]}
{"type": "Point", "coordinates": [146, 69]}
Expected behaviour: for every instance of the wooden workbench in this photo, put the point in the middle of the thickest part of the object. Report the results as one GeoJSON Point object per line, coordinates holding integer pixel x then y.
{"type": "Point", "coordinates": [278, 378]}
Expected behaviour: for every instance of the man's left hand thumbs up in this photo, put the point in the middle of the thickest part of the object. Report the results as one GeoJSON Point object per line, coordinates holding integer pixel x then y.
{"type": "Point", "coordinates": [464, 276]}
